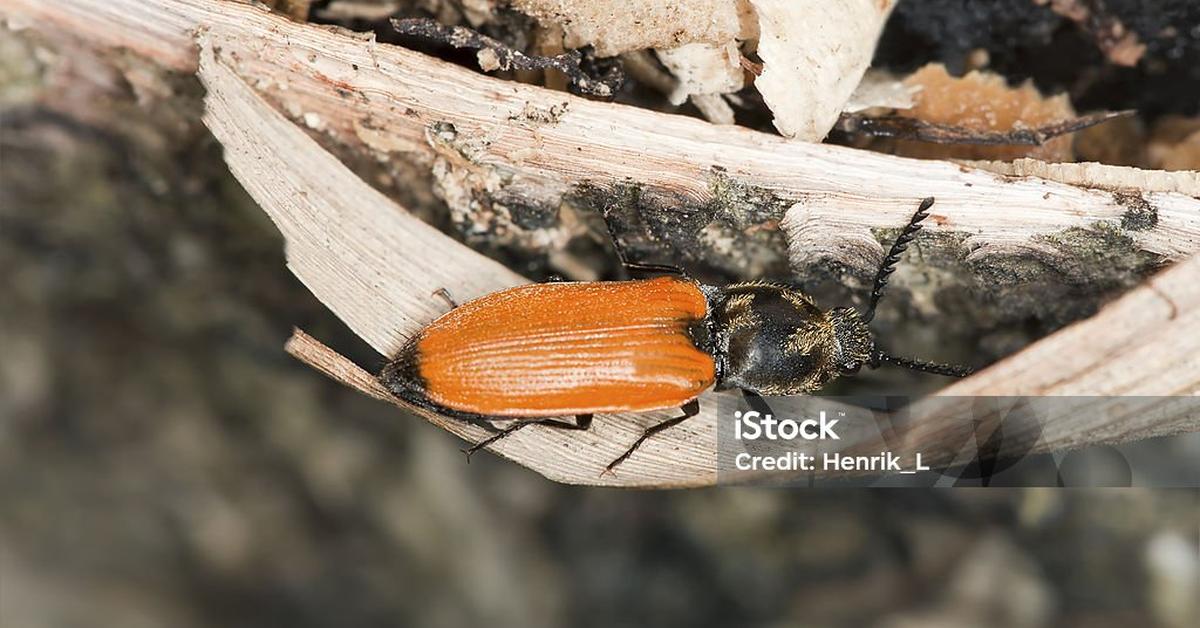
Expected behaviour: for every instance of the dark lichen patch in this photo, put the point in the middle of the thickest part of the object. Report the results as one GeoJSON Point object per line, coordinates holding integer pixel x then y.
{"type": "Point", "coordinates": [527, 213]}
{"type": "Point", "coordinates": [741, 204]}
{"type": "Point", "coordinates": [649, 226]}
{"type": "Point", "coordinates": [1027, 291]}
{"type": "Point", "coordinates": [730, 236]}
{"type": "Point", "coordinates": [1088, 261]}
{"type": "Point", "coordinates": [1017, 293]}
{"type": "Point", "coordinates": [1140, 214]}
{"type": "Point", "coordinates": [1014, 270]}
{"type": "Point", "coordinates": [1068, 279]}
{"type": "Point", "coordinates": [1101, 257]}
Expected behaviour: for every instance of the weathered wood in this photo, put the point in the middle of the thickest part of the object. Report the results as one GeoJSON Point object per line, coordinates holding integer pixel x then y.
{"type": "Point", "coordinates": [1132, 371]}
{"type": "Point", "coordinates": [523, 166]}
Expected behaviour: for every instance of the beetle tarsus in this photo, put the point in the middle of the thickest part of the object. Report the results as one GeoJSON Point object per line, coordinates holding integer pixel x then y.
{"type": "Point", "coordinates": [690, 409]}
{"type": "Point", "coordinates": [491, 439]}
{"type": "Point", "coordinates": [445, 295]}
{"type": "Point", "coordinates": [582, 422]}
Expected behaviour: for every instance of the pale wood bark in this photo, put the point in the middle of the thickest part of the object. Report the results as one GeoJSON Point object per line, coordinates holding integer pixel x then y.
{"type": "Point", "coordinates": [502, 152]}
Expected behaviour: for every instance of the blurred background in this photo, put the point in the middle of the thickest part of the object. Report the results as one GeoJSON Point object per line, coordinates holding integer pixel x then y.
{"type": "Point", "coordinates": [163, 462]}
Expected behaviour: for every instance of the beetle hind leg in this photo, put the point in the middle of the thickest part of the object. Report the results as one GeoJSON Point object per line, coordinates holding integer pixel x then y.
{"type": "Point", "coordinates": [690, 409]}
{"type": "Point", "coordinates": [582, 422]}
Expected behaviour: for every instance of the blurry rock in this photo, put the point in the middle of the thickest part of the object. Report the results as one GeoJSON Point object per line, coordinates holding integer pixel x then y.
{"type": "Point", "coordinates": [994, 585]}
{"type": "Point", "coordinates": [1175, 144]}
{"type": "Point", "coordinates": [1173, 563]}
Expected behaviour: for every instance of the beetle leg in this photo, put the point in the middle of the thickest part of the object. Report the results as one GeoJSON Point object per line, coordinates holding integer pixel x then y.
{"type": "Point", "coordinates": [756, 402]}
{"type": "Point", "coordinates": [445, 294]}
{"type": "Point", "coordinates": [690, 409]}
{"type": "Point", "coordinates": [469, 451]}
{"type": "Point", "coordinates": [582, 422]}
{"type": "Point", "coordinates": [638, 269]}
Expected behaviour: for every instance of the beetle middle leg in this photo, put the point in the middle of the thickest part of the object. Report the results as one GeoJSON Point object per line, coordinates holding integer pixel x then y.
{"type": "Point", "coordinates": [757, 403]}
{"type": "Point", "coordinates": [690, 409]}
{"type": "Point", "coordinates": [582, 422]}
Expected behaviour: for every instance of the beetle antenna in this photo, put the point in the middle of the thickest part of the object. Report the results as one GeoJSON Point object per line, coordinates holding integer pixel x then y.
{"type": "Point", "coordinates": [937, 368]}
{"type": "Point", "coordinates": [907, 235]}
{"type": "Point", "coordinates": [893, 257]}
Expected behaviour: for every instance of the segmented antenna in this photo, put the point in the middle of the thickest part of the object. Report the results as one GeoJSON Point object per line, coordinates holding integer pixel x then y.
{"type": "Point", "coordinates": [893, 257]}
{"type": "Point", "coordinates": [949, 370]}
{"type": "Point", "coordinates": [881, 279]}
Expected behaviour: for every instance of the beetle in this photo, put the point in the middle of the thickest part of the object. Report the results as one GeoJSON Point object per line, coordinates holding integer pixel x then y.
{"type": "Point", "coordinates": [541, 353]}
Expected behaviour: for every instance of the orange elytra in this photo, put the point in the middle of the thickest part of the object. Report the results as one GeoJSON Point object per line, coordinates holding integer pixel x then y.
{"type": "Point", "coordinates": [562, 349]}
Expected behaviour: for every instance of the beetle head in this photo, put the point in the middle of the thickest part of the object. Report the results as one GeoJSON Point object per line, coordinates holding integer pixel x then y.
{"type": "Point", "coordinates": [853, 344]}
